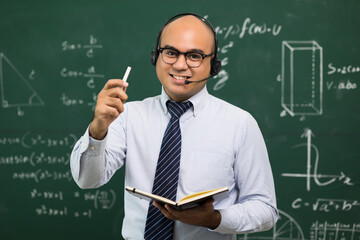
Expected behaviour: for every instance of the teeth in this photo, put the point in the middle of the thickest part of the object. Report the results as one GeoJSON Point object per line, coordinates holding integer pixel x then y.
{"type": "Point", "coordinates": [180, 77]}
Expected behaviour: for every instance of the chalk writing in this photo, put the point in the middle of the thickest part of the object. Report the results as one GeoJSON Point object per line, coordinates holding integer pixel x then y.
{"type": "Point", "coordinates": [102, 199]}
{"type": "Point", "coordinates": [326, 205]}
{"type": "Point", "coordinates": [91, 75]}
{"type": "Point", "coordinates": [31, 139]}
{"type": "Point", "coordinates": [248, 28]}
{"type": "Point", "coordinates": [46, 194]}
{"type": "Point", "coordinates": [223, 76]}
{"type": "Point", "coordinates": [342, 85]}
{"type": "Point", "coordinates": [42, 175]}
{"type": "Point", "coordinates": [88, 47]}
{"type": "Point", "coordinates": [87, 213]}
{"type": "Point", "coordinates": [307, 97]}
{"type": "Point", "coordinates": [334, 231]}
{"type": "Point", "coordinates": [9, 74]}
{"type": "Point", "coordinates": [67, 101]}
{"type": "Point", "coordinates": [342, 69]}
{"type": "Point", "coordinates": [35, 159]}
{"type": "Point", "coordinates": [314, 174]}
{"type": "Point", "coordinates": [10, 140]}
{"type": "Point", "coordinates": [46, 211]}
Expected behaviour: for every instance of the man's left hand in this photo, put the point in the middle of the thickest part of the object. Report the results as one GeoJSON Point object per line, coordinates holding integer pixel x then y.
{"type": "Point", "coordinates": [202, 215]}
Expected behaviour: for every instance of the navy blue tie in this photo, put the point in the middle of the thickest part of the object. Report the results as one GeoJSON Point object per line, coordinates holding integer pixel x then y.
{"type": "Point", "coordinates": [167, 174]}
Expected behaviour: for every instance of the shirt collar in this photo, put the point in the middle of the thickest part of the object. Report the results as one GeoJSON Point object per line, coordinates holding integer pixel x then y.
{"type": "Point", "coordinates": [198, 100]}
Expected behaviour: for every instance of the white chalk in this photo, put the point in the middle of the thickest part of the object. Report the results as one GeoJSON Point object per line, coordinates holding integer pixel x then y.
{"type": "Point", "coordinates": [126, 75]}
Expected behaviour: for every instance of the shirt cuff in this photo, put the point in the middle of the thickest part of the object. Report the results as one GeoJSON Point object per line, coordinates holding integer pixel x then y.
{"type": "Point", "coordinates": [86, 146]}
{"type": "Point", "coordinates": [226, 225]}
{"type": "Point", "coordinates": [89, 143]}
{"type": "Point", "coordinates": [92, 146]}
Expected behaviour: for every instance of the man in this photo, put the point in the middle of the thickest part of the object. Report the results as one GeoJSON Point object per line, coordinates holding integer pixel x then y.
{"type": "Point", "coordinates": [221, 145]}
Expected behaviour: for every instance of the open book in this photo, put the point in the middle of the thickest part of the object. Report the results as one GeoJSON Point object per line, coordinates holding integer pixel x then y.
{"type": "Point", "coordinates": [189, 201]}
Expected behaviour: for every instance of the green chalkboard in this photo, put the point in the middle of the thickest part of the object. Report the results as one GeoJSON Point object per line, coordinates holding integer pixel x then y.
{"type": "Point", "coordinates": [294, 65]}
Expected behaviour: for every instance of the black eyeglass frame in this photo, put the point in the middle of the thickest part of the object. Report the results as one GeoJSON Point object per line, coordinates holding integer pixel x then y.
{"type": "Point", "coordinates": [185, 54]}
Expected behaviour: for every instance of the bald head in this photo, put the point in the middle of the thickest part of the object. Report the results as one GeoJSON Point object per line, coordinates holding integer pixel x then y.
{"type": "Point", "coordinates": [190, 27]}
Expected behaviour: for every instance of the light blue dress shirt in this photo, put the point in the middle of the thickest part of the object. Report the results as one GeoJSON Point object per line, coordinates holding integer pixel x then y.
{"type": "Point", "coordinates": [222, 146]}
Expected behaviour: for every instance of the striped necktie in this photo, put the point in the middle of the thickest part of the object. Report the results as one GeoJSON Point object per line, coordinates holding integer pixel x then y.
{"type": "Point", "coordinates": [167, 174]}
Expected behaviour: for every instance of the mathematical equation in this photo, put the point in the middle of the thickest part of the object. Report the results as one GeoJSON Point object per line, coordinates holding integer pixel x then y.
{"type": "Point", "coordinates": [35, 159]}
{"type": "Point", "coordinates": [31, 139]}
{"type": "Point", "coordinates": [327, 205]}
{"type": "Point", "coordinates": [91, 75]}
{"type": "Point", "coordinates": [68, 101]}
{"type": "Point", "coordinates": [248, 27]}
{"type": "Point", "coordinates": [35, 193]}
{"type": "Point", "coordinates": [44, 210]}
{"type": "Point", "coordinates": [101, 199]}
{"type": "Point", "coordinates": [88, 47]}
{"type": "Point", "coordinates": [42, 175]}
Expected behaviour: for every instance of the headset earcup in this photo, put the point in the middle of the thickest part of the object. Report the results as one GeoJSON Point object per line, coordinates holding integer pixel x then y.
{"type": "Point", "coordinates": [154, 56]}
{"type": "Point", "coordinates": [215, 67]}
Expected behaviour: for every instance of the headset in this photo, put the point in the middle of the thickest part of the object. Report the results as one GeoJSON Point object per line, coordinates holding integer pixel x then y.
{"type": "Point", "coordinates": [215, 62]}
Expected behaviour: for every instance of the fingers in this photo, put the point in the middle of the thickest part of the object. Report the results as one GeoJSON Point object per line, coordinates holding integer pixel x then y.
{"type": "Point", "coordinates": [115, 88]}
{"type": "Point", "coordinates": [166, 210]}
{"type": "Point", "coordinates": [202, 215]}
{"type": "Point", "coordinates": [210, 201]}
{"type": "Point", "coordinates": [113, 94]}
{"type": "Point", "coordinates": [112, 83]}
{"type": "Point", "coordinates": [109, 105]}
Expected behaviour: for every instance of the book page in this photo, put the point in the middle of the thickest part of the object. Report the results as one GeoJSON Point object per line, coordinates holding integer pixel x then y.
{"type": "Point", "coordinates": [198, 194]}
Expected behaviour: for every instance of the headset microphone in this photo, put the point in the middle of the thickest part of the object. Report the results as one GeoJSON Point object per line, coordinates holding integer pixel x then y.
{"type": "Point", "coordinates": [188, 82]}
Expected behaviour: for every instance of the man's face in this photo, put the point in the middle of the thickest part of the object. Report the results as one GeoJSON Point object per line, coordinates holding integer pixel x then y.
{"type": "Point", "coordinates": [186, 34]}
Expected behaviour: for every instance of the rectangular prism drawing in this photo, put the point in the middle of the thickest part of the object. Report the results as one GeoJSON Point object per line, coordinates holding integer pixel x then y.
{"type": "Point", "coordinates": [302, 78]}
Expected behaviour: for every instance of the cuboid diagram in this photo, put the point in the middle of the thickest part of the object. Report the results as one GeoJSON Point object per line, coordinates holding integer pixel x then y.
{"type": "Point", "coordinates": [302, 78]}
{"type": "Point", "coordinates": [16, 91]}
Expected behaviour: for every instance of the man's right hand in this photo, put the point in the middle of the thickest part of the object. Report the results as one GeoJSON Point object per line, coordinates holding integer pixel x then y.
{"type": "Point", "coordinates": [109, 105]}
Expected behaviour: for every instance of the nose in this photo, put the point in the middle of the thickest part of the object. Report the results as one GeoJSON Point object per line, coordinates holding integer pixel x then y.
{"type": "Point", "coordinates": [180, 64]}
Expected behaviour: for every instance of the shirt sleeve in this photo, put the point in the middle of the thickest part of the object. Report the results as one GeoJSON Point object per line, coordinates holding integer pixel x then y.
{"type": "Point", "coordinates": [94, 162]}
{"type": "Point", "coordinates": [255, 209]}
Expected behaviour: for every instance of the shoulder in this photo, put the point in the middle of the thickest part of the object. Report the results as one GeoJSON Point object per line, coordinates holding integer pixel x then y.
{"type": "Point", "coordinates": [225, 108]}
{"type": "Point", "coordinates": [233, 116]}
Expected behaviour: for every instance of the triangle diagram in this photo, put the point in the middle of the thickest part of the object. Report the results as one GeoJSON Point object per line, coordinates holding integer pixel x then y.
{"type": "Point", "coordinates": [16, 91]}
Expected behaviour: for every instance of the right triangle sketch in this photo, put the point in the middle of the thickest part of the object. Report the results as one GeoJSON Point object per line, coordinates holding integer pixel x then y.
{"type": "Point", "coordinates": [16, 91]}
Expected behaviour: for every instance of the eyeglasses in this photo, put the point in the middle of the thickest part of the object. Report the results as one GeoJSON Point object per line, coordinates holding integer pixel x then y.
{"type": "Point", "coordinates": [193, 59]}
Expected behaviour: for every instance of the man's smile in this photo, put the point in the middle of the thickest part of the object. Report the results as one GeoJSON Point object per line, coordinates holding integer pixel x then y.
{"type": "Point", "coordinates": [179, 77]}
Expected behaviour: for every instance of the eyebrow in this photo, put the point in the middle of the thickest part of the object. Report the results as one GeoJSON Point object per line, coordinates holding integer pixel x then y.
{"type": "Point", "coordinates": [196, 50]}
